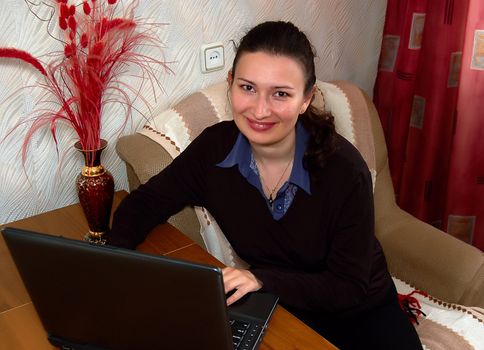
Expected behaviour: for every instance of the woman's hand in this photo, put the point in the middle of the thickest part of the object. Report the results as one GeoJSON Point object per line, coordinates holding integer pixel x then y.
{"type": "Point", "coordinates": [243, 281]}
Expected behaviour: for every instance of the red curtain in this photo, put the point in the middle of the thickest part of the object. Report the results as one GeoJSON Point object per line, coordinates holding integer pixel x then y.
{"type": "Point", "coordinates": [429, 93]}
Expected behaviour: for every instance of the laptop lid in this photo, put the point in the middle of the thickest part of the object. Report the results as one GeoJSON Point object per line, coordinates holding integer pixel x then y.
{"type": "Point", "coordinates": [102, 297]}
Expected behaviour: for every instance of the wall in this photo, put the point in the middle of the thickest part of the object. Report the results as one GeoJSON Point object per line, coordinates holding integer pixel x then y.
{"type": "Point", "coordinates": [346, 35]}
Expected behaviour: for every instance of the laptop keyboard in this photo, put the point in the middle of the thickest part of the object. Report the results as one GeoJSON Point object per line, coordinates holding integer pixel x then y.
{"type": "Point", "coordinates": [244, 334]}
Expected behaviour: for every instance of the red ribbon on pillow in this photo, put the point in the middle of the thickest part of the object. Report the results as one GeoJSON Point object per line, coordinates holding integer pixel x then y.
{"type": "Point", "coordinates": [411, 306]}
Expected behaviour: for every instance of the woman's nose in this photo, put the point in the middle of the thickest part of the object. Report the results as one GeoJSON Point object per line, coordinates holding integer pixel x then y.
{"type": "Point", "coordinates": [261, 109]}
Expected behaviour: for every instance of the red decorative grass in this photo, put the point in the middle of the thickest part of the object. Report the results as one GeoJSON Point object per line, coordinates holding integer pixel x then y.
{"type": "Point", "coordinates": [98, 48]}
{"type": "Point", "coordinates": [9, 52]}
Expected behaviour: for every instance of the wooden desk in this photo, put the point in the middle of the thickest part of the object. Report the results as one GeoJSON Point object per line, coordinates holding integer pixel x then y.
{"type": "Point", "coordinates": [20, 326]}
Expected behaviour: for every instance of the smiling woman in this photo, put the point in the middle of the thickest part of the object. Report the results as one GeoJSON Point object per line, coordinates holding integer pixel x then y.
{"type": "Point", "coordinates": [267, 102]}
{"type": "Point", "coordinates": [293, 198]}
{"type": "Point", "coordinates": [267, 96]}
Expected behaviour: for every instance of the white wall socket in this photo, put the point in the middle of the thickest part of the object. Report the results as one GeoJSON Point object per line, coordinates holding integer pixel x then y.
{"type": "Point", "coordinates": [212, 57]}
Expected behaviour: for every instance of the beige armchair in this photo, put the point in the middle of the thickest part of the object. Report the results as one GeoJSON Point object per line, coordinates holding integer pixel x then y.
{"type": "Point", "coordinates": [418, 253]}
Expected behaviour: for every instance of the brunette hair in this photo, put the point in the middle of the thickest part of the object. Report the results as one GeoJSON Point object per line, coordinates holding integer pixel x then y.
{"type": "Point", "coordinates": [285, 39]}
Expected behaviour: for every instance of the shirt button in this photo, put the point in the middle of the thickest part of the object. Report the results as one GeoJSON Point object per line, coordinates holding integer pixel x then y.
{"type": "Point", "coordinates": [279, 207]}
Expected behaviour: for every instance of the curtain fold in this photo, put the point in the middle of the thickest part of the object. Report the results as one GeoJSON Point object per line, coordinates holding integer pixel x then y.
{"type": "Point", "coordinates": [464, 210]}
{"type": "Point", "coordinates": [429, 101]}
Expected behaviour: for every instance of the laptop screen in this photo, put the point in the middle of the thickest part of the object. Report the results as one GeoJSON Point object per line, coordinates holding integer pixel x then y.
{"type": "Point", "coordinates": [112, 298]}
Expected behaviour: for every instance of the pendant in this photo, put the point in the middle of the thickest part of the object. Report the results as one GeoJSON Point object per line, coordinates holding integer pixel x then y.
{"type": "Point", "coordinates": [271, 202]}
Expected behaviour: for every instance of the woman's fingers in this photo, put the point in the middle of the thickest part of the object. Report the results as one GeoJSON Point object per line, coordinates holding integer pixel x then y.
{"type": "Point", "coordinates": [239, 293]}
{"type": "Point", "coordinates": [243, 281]}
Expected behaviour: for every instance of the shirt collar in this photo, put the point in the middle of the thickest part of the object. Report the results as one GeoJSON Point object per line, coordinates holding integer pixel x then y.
{"type": "Point", "coordinates": [241, 155]}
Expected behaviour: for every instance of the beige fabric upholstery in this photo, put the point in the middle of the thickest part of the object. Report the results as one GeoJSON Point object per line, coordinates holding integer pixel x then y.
{"type": "Point", "coordinates": [417, 253]}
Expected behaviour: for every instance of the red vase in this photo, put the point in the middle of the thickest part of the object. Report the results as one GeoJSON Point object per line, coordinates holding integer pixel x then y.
{"type": "Point", "coordinates": [95, 188]}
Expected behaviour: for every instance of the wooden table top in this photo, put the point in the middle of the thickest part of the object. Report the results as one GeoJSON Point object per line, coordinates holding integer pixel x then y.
{"type": "Point", "coordinates": [20, 326]}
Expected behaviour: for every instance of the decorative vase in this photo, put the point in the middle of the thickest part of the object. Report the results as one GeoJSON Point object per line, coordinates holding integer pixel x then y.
{"type": "Point", "coordinates": [95, 188]}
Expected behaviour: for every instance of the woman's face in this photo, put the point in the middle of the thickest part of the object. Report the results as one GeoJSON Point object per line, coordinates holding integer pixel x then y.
{"type": "Point", "coordinates": [267, 96]}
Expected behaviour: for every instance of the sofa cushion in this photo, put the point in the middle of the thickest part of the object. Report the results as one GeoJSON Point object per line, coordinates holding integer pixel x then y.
{"type": "Point", "coordinates": [446, 325]}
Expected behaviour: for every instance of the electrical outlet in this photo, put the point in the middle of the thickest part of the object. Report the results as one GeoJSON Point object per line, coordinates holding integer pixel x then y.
{"type": "Point", "coordinates": [212, 57]}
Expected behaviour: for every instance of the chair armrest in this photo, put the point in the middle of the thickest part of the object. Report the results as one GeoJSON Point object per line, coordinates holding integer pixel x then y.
{"type": "Point", "coordinates": [422, 255]}
{"type": "Point", "coordinates": [416, 252]}
{"type": "Point", "coordinates": [432, 260]}
{"type": "Point", "coordinates": [145, 158]}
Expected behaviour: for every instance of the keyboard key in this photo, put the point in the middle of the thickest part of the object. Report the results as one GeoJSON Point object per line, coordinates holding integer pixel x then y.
{"type": "Point", "coordinates": [239, 330]}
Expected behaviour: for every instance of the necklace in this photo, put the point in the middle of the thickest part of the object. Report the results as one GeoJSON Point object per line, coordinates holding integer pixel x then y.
{"type": "Point", "coordinates": [271, 192]}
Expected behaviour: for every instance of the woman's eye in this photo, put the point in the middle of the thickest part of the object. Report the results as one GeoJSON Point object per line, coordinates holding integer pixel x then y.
{"type": "Point", "coordinates": [248, 88]}
{"type": "Point", "coordinates": [281, 94]}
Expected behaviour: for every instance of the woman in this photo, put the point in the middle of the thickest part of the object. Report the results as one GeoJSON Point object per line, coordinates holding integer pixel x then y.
{"type": "Point", "coordinates": [293, 198]}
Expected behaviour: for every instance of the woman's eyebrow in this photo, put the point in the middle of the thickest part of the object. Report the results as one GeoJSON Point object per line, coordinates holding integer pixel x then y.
{"type": "Point", "coordinates": [246, 81]}
{"type": "Point", "coordinates": [274, 87]}
{"type": "Point", "coordinates": [285, 87]}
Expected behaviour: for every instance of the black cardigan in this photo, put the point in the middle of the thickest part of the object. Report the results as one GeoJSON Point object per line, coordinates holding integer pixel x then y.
{"type": "Point", "coordinates": [321, 257]}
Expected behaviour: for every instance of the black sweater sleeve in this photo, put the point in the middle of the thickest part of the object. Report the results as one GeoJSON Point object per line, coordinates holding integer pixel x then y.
{"type": "Point", "coordinates": [180, 184]}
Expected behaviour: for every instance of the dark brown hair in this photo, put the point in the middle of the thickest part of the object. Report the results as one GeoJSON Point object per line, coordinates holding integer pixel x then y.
{"type": "Point", "coordinates": [285, 39]}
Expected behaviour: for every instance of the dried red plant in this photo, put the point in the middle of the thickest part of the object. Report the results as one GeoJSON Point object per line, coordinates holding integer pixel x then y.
{"type": "Point", "coordinates": [98, 47]}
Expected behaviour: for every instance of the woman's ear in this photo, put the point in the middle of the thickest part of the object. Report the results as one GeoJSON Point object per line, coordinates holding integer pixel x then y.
{"type": "Point", "coordinates": [230, 77]}
{"type": "Point", "coordinates": [307, 100]}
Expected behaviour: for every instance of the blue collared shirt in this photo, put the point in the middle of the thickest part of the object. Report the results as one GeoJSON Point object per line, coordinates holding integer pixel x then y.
{"type": "Point", "coordinates": [242, 156]}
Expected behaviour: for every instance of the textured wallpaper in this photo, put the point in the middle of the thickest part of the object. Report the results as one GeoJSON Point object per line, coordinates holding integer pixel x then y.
{"type": "Point", "coordinates": [346, 35]}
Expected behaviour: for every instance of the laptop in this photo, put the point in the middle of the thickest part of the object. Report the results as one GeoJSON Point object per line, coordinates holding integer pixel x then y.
{"type": "Point", "coordinates": [103, 297]}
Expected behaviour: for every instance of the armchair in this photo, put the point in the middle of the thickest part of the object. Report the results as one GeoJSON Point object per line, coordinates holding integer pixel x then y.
{"type": "Point", "coordinates": [417, 253]}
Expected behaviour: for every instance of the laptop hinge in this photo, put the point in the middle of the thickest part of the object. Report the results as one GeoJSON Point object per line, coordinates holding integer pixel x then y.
{"type": "Point", "coordinates": [65, 344]}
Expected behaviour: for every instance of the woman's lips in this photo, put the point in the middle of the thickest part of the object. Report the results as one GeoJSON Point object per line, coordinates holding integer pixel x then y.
{"type": "Point", "coordinates": [260, 126]}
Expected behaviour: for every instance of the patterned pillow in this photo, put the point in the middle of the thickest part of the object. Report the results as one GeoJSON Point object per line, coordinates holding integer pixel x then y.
{"type": "Point", "coordinates": [445, 325]}
{"type": "Point", "coordinates": [176, 127]}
